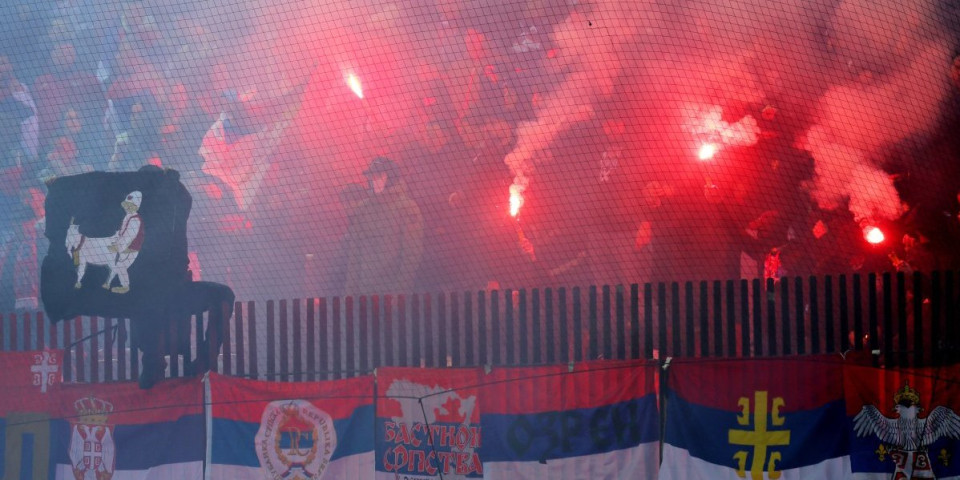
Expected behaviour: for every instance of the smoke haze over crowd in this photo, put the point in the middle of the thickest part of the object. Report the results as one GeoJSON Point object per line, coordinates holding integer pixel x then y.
{"type": "Point", "coordinates": [822, 118]}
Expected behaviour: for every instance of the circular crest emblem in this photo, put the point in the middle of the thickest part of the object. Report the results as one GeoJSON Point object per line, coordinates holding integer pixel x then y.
{"type": "Point", "coordinates": [295, 440]}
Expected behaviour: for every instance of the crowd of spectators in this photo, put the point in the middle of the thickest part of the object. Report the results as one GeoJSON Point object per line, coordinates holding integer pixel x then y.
{"type": "Point", "coordinates": [92, 85]}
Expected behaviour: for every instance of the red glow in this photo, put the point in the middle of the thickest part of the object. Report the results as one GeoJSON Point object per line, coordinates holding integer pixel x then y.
{"type": "Point", "coordinates": [707, 151]}
{"type": "Point", "coordinates": [874, 235]}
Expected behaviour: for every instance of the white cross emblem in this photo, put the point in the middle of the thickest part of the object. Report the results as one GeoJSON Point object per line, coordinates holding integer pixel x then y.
{"type": "Point", "coordinates": [45, 367]}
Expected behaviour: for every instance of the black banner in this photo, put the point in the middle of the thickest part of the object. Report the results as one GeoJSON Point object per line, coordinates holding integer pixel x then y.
{"type": "Point", "coordinates": [118, 244]}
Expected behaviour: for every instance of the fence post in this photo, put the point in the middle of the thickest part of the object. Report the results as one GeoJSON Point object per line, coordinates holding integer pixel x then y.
{"type": "Point", "coordinates": [535, 334]}
{"type": "Point", "coordinates": [311, 339]}
{"type": "Point", "coordinates": [252, 339]}
{"type": "Point", "coordinates": [815, 319]}
{"type": "Point", "coordinates": [577, 326]}
{"type": "Point", "coordinates": [297, 341]}
{"type": "Point", "coordinates": [594, 326]}
{"type": "Point", "coordinates": [690, 330]}
{"type": "Point", "coordinates": [564, 325]}
{"type": "Point", "coordinates": [326, 337]}
{"type": "Point", "coordinates": [922, 357]}
{"type": "Point", "coordinates": [363, 340]}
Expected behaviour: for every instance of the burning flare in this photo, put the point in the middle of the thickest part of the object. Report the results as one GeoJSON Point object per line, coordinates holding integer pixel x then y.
{"type": "Point", "coordinates": [354, 83]}
{"type": "Point", "coordinates": [516, 199]}
{"type": "Point", "coordinates": [873, 235]}
{"type": "Point", "coordinates": [707, 151]}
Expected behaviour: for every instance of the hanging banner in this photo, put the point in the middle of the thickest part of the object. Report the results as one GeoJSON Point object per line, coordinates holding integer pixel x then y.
{"type": "Point", "coordinates": [598, 420]}
{"type": "Point", "coordinates": [117, 431]}
{"type": "Point", "coordinates": [905, 423]}
{"type": "Point", "coordinates": [30, 399]}
{"type": "Point", "coordinates": [118, 243]}
{"type": "Point", "coordinates": [757, 419]}
{"type": "Point", "coordinates": [291, 430]}
{"type": "Point", "coordinates": [428, 424]}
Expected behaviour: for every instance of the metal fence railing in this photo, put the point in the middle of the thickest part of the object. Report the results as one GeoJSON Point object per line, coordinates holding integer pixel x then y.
{"type": "Point", "coordinates": [892, 319]}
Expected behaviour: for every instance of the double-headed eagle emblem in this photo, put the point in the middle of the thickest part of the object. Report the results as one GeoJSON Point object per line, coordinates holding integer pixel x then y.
{"type": "Point", "coordinates": [909, 434]}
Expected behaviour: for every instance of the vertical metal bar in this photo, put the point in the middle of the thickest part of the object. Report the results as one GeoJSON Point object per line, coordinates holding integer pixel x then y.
{"type": "Point", "coordinates": [745, 346]}
{"type": "Point", "coordinates": [577, 326]}
{"type": "Point", "coordinates": [873, 318]}
{"type": "Point", "coordinates": [524, 327]}
{"type": "Point", "coordinates": [350, 327]}
{"type": "Point", "coordinates": [635, 331]}
{"type": "Point", "coordinates": [95, 347]}
{"type": "Point", "coordinates": [551, 325]}
{"type": "Point", "coordinates": [470, 335]}
{"type": "Point", "coordinates": [297, 341]}
{"type": "Point", "coordinates": [389, 336]}
{"type": "Point", "coordinates": [77, 349]}
{"type": "Point", "coordinates": [121, 349]}
{"type": "Point", "coordinates": [922, 357]}
{"type": "Point", "coordinates": [758, 320]}
{"type": "Point", "coordinates": [662, 320]}
{"type": "Point", "coordinates": [647, 320]}
{"type": "Point", "coordinates": [690, 330]}
{"type": "Point", "coordinates": [814, 316]}
{"type": "Point", "coordinates": [828, 316]}
{"type": "Point", "coordinates": [109, 344]}
{"type": "Point", "coordinates": [337, 340]}
{"type": "Point", "coordinates": [508, 298]}
{"type": "Point", "coordinates": [376, 331]}
{"type": "Point", "coordinates": [936, 310]}
{"type": "Point", "coordinates": [729, 298]}
{"type": "Point", "coordinates": [675, 303]}
{"type": "Point", "coordinates": [902, 345]}
{"type": "Point", "coordinates": [239, 338]}
{"type": "Point", "coordinates": [363, 337]}
{"type": "Point", "coordinates": [594, 325]}
{"type": "Point", "coordinates": [858, 312]}
{"type": "Point", "coordinates": [311, 339]}
{"type": "Point", "coordinates": [773, 346]}
{"type": "Point", "coordinates": [799, 314]}
{"type": "Point", "coordinates": [455, 353]}
{"type": "Point", "coordinates": [844, 314]}
{"type": "Point", "coordinates": [271, 349]}
{"type": "Point", "coordinates": [482, 329]}
{"type": "Point", "coordinates": [704, 321]}
{"type": "Point", "coordinates": [564, 326]}
{"type": "Point", "coordinates": [327, 339]}
{"type": "Point", "coordinates": [442, 319]}
{"type": "Point", "coordinates": [403, 331]}
{"type": "Point", "coordinates": [535, 336]}
{"type": "Point", "coordinates": [284, 352]}
{"type": "Point", "coordinates": [950, 314]}
{"type": "Point", "coordinates": [67, 358]}
{"type": "Point", "coordinates": [427, 324]}
{"type": "Point", "coordinates": [495, 327]}
{"type": "Point", "coordinates": [607, 328]}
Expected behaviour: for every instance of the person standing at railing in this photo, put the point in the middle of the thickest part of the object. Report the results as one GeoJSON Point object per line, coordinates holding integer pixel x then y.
{"type": "Point", "coordinates": [385, 236]}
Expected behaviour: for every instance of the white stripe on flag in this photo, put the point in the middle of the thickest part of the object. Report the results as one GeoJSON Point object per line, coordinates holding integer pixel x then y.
{"type": "Point", "coordinates": [359, 467]}
{"type": "Point", "coordinates": [639, 462]}
{"type": "Point", "coordinates": [180, 471]}
{"type": "Point", "coordinates": [679, 465]}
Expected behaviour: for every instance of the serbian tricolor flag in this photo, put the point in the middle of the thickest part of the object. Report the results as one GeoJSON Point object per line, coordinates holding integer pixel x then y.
{"type": "Point", "coordinates": [756, 419]}
{"type": "Point", "coordinates": [240, 156]}
{"type": "Point", "coordinates": [596, 420]}
{"type": "Point", "coordinates": [904, 422]}
{"type": "Point", "coordinates": [428, 424]}
{"type": "Point", "coordinates": [120, 431]}
{"type": "Point", "coordinates": [28, 403]}
{"type": "Point", "coordinates": [291, 430]}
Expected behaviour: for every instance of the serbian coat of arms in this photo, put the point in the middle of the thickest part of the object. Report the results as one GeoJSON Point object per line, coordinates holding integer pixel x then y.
{"type": "Point", "coordinates": [908, 435]}
{"type": "Point", "coordinates": [92, 450]}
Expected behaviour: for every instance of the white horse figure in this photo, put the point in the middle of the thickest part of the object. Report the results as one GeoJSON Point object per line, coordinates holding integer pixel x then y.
{"type": "Point", "coordinates": [91, 251]}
